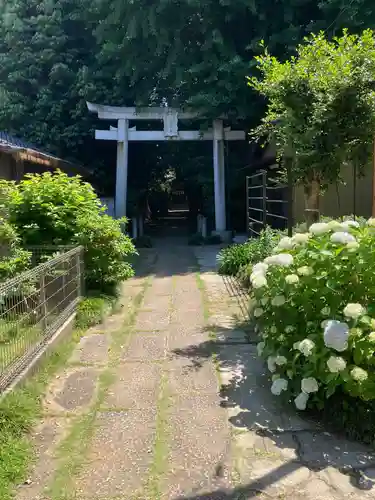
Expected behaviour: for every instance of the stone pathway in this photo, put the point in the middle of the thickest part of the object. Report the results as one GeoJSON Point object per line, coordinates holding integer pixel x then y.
{"type": "Point", "coordinates": [167, 400]}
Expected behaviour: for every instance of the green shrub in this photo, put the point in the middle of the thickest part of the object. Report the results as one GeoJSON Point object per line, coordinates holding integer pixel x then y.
{"type": "Point", "coordinates": [235, 257]}
{"type": "Point", "coordinates": [315, 309]}
{"type": "Point", "coordinates": [92, 311]}
{"type": "Point", "coordinates": [54, 209]}
{"type": "Point", "coordinates": [13, 259]}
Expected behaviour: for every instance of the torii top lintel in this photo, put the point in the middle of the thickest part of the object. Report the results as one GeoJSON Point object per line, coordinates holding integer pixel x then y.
{"type": "Point", "coordinates": [133, 113]}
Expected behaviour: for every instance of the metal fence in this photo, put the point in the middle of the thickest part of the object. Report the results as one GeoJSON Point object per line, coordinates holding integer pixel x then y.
{"type": "Point", "coordinates": [268, 203]}
{"type": "Point", "coordinates": [33, 305]}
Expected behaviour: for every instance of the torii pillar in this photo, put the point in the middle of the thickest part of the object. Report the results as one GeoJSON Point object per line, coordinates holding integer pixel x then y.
{"type": "Point", "coordinates": [122, 168]}
{"type": "Point", "coordinates": [219, 176]}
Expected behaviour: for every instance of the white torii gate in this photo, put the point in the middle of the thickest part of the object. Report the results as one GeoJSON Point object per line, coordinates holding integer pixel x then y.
{"type": "Point", "coordinates": [170, 116]}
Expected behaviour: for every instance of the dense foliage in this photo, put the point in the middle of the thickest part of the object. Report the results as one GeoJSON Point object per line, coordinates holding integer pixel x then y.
{"type": "Point", "coordinates": [235, 257]}
{"type": "Point", "coordinates": [56, 54]}
{"type": "Point", "coordinates": [315, 311]}
{"type": "Point", "coordinates": [54, 209]}
{"type": "Point", "coordinates": [13, 258]}
{"type": "Point", "coordinates": [321, 107]}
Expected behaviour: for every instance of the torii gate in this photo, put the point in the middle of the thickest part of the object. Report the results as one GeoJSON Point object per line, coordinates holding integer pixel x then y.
{"type": "Point", "coordinates": [170, 116]}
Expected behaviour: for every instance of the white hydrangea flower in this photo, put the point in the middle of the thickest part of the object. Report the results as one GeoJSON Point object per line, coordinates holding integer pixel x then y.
{"type": "Point", "coordinates": [260, 348]}
{"type": "Point", "coordinates": [324, 323]}
{"type": "Point", "coordinates": [271, 364]}
{"type": "Point", "coordinates": [319, 228]}
{"type": "Point", "coordinates": [278, 301]}
{"type": "Point", "coordinates": [264, 301]}
{"type": "Point", "coordinates": [289, 329]}
{"type": "Point", "coordinates": [258, 312]}
{"type": "Point", "coordinates": [258, 281]}
{"type": "Point", "coordinates": [305, 271]}
{"type": "Point", "coordinates": [261, 267]}
{"type": "Point", "coordinates": [273, 329]}
{"type": "Point", "coordinates": [342, 238]}
{"type": "Point", "coordinates": [352, 246]}
{"type": "Point", "coordinates": [326, 311]}
{"type": "Point", "coordinates": [334, 225]}
{"type": "Point", "coordinates": [301, 401]}
{"type": "Point", "coordinates": [348, 224]}
{"type": "Point", "coordinates": [309, 385]}
{"type": "Point", "coordinates": [358, 374]}
{"type": "Point", "coordinates": [336, 335]}
{"type": "Point", "coordinates": [281, 259]}
{"type": "Point", "coordinates": [278, 386]}
{"type": "Point", "coordinates": [281, 360]}
{"type": "Point", "coordinates": [336, 364]}
{"type": "Point", "coordinates": [354, 311]}
{"type": "Point", "coordinates": [285, 243]}
{"type": "Point", "coordinates": [301, 238]}
{"type": "Point", "coordinates": [306, 346]}
{"type": "Point", "coordinates": [292, 279]}
{"type": "Point", "coordinates": [371, 222]}
{"type": "Point", "coordinates": [371, 337]}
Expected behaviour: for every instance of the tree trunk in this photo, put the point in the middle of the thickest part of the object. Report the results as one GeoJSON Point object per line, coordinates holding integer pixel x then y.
{"type": "Point", "coordinates": [312, 198]}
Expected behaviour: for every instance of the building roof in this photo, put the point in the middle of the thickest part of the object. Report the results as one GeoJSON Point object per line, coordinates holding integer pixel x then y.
{"type": "Point", "coordinates": [26, 151]}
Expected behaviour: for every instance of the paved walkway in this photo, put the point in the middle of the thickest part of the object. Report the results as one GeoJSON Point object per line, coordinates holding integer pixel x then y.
{"type": "Point", "coordinates": [167, 400]}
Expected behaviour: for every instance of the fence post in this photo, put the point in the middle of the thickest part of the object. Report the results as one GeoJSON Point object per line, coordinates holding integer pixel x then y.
{"type": "Point", "coordinates": [264, 197]}
{"type": "Point", "coordinates": [43, 301]}
{"type": "Point", "coordinates": [80, 276]}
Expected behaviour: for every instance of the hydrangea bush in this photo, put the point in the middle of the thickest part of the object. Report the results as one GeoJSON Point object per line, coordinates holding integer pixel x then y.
{"type": "Point", "coordinates": [315, 309]}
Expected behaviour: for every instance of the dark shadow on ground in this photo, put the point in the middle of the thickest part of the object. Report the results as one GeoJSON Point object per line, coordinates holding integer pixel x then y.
{"type": "Point", "coordinates": [237, 292]}
{"type": "Point", "coordinates": [251, 490]}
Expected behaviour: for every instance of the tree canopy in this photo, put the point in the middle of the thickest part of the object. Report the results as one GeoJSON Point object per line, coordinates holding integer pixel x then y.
{"type": "Point", "coordinates": [56, 54]}
{"type": "Point", "coordinates": [321, 105]}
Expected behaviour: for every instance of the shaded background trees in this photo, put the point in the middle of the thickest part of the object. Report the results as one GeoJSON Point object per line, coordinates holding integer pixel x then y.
{"type": "Point", "coordinates": [56, 54]}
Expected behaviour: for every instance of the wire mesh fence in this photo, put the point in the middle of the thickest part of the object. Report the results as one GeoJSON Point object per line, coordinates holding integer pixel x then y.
{"type": "Point", "coordinates": [33, 305]}
{"type": "Point", "coordinates": [43, 253]}
{"type": "Point", "coordinates": [267, 203]}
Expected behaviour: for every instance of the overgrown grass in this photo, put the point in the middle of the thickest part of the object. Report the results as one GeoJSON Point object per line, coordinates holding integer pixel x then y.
{"type": "Point", "coordinates": [93, 309]}
{"type": "Point", "coordinates": [235, 257]}
{"type": "Point", "coordinates": [19, 411]}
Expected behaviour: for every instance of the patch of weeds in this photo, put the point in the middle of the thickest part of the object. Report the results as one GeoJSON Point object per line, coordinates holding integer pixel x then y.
{"type": "Point", "coordinates": [160, 457]}
{"type": "Point", "coordinates": [205, 301]}
{"type": "Point", "coordinates": [93, 310]}
{"type": "Point", "coordinates": [19, 411]}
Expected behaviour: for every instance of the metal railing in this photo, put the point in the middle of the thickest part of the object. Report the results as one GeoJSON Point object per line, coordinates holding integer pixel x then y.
{"type": "Point", "coordinates": [267, 203]}
{"type": "Point", "coordinates": [43, 253]}
{"type": "Point", "coordinates": [33, 305]}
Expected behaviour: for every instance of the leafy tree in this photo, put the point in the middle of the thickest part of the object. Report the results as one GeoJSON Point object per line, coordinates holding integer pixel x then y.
{"type": "Point", "coordinates": [56, 54]}
{"type": "Point", "coordinates": [197, 53]}
{"type": "Point", "coordinates": [321, 107]}
{"type": "Point", "coordinates": [54, 209]}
